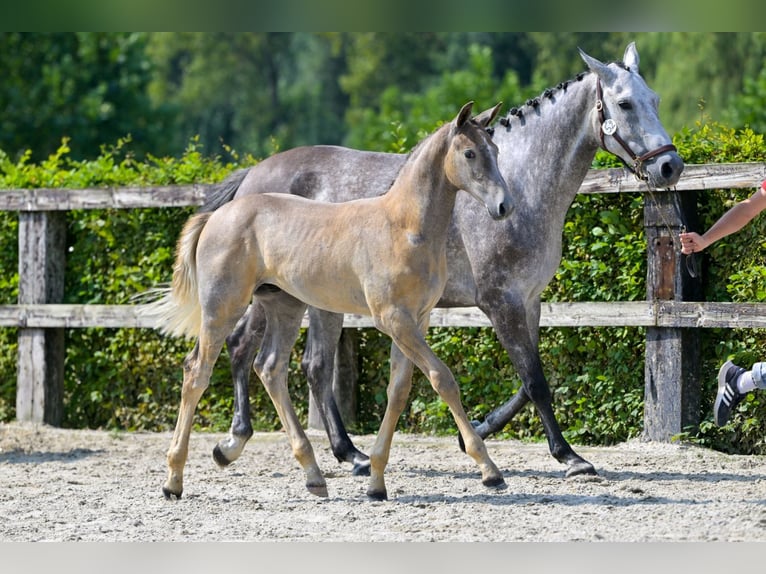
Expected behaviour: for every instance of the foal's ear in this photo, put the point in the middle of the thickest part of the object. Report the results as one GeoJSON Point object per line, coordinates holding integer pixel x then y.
{"type": "Point", "coordinates": [464, 115]}
{"type": "Point", "coordinates": [486, 117]}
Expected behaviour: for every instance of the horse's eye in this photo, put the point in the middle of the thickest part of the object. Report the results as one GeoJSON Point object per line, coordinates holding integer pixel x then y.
{"type": "Point", "coordinates": [625, 105]}
{"type": "Point", "coordinates": [470, 154]}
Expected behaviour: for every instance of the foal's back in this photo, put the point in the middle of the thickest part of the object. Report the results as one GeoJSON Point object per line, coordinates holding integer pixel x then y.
{"type": "Point", "coordinates": [327, 255]}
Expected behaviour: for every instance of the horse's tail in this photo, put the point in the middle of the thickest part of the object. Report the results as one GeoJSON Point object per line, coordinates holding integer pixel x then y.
{"type": "Point", "coordinates": [222, 193]}
{"type": "Point", "coordinates": [176, 309]}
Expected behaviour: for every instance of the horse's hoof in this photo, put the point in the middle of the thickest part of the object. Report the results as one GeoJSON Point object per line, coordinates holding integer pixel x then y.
{"type": "Point", "coordinates": [377, 495]}
{"type": "Point", "coordinates": [318, 490]}
{"type": "Point", "coordinates": [171, 494]}
{"type": "Point", "coordinates": [361, 468]}
{"type": "Point", "coordinates": [219, 457]}
{"type": "Point", "coordinates": [496, 482]}
{"type": "Point", "coordinates": [475, 424]}
{"type": "Point", "coordinates": [581, 468]}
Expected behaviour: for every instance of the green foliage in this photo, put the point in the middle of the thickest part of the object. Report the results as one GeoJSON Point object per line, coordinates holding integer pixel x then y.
{"type": "Point", "coordinates": [748, 108]}
{"type": "Point", "coordinates": [87, 86]}
{"type": "Point", "coordinates": [120, 378]}
{"type": "Point", "coordinates": [415, 114]}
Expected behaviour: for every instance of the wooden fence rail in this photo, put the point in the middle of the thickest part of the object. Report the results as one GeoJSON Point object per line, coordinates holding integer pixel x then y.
{"type": "Point", "coordinates": [671, 316]}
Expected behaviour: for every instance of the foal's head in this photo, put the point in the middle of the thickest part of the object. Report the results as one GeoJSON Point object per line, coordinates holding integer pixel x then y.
{"type": "Point", "coordinates": [471, 161]}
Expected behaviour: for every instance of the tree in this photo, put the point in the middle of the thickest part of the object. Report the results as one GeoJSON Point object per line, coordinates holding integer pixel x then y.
{"type": "Point", "coordinates": [88, 87]}
{"type": "Point", "coordinates": [252, 91]}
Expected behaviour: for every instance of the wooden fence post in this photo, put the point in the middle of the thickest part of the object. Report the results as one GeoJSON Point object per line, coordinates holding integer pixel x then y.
{"type": "Point", "coordinates": [671, 375]}
{"type": "Point", "coordinates": [344, 382]}
{"type": "Point", "coordinates": [42, 255]}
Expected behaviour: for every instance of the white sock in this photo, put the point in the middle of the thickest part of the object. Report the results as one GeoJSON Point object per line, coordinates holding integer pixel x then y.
{"type": "Point", "coordinates": [745, 382]}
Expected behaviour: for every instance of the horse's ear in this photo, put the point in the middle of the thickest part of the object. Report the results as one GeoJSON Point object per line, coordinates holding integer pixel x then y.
{"type": "Point", "coordinates": [630, 59]}
{"type": "Point", "coordinates": [464, 115]}
{"type": "Point", "coordinates": [599, 68]}
{"type": "Point", "coordinates": [486, 117]}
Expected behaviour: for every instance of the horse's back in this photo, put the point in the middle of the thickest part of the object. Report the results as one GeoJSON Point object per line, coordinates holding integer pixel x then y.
{"type": "Point", "coordinates": [324, 173]}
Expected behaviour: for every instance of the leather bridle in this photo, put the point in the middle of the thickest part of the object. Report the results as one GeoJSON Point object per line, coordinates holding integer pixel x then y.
{"type": "Point", "coordinates": [609, 128]}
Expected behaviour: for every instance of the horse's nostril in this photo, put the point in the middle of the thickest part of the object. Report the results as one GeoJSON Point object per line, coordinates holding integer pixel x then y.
{"type": "Point", "coordinates": [502, 209]}
{"type": "Point", "coordinates": [666, 170]}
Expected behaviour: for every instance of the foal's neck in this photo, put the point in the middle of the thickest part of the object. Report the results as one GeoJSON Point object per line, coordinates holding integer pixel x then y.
{"type": "Point", "coordinates": [422, 198]}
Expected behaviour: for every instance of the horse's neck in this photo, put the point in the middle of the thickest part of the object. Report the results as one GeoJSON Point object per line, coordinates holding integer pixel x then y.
{"type": "Point", "coordinates": [421, 198]}
{"type": "Point", "coordinates": [551, 147]}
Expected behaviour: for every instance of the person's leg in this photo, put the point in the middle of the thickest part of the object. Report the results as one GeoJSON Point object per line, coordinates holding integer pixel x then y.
{"type": "Point", "coordinates": [733, 384]}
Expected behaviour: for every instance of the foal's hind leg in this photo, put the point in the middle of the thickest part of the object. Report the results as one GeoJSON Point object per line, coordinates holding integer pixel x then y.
{"type": "Point", "coordinates": [243, 344]}
{"type": "Point", "coordinates": [318, 366]}
{"type": "Point", "coordinates": [198, 366]}
{"type": "Point", "coordinates": [283, 321]}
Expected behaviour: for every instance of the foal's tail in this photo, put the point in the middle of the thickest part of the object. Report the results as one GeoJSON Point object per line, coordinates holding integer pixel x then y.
{"type": "Point", "coordinates": [176, 309]}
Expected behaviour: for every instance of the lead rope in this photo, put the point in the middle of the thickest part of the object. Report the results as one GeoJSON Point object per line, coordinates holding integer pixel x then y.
{"type": "Point", "coordinates": [690, 261]}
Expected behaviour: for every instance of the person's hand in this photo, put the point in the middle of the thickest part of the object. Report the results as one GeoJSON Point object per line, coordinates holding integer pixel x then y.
{"type": "Point", "coordinates": [691, 243]}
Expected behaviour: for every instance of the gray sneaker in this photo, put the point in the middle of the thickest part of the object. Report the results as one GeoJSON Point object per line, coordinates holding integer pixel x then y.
{"type": "Point", "coordinates": [728, 395]}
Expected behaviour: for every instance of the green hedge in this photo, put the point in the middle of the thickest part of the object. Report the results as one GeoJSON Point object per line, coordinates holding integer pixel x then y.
{"type": "Point", "coordinates": [130, 378]}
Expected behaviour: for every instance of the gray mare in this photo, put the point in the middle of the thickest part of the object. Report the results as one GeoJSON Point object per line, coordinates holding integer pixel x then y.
{"type": "Point", "coordinates": [547, 147]}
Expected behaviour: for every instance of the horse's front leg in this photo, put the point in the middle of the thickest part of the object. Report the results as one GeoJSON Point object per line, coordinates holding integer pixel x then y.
{"type": "Point", "coordinates": [318, 365]}
{"type": "Point", "coordinates": [243, 344]}
{"type": "Point", "coordinates": [518, 333]}
{"type": "Point", "coordinates": [198, 366]}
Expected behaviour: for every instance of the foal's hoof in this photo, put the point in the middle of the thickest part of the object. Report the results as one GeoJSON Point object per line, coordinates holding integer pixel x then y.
{"type": "Point", "coordinates": [171, 494]}
{"type": "Point", "coordinates": [317, 489]}
{"type": "Point", "coordinates": [583, 467]}
{"type": "Point", "coordinates": [496, 482]}
{"type": "Point", "coordinates": [377, 495]}
{"type": "Point", "coordinates": [220, 458]}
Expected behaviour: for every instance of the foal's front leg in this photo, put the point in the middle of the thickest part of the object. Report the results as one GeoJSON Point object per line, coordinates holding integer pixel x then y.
{"type": "Point", "coordinates": [410, 343]}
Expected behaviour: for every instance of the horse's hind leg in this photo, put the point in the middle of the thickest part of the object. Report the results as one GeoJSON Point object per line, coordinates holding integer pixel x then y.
{"type": "Point", "coordinates": [318, 366]}
{"type": "Point", "coordinates": [243, 344]}
{"type": "Point", "coordinates": [284, 315]}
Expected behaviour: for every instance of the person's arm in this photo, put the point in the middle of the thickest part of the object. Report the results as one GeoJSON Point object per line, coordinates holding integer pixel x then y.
{"type": "Point", "coordinates": [730, 222]}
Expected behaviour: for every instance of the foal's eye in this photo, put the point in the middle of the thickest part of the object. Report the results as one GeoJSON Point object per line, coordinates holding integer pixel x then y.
{"type": "Point", "coordinates": [470, 154]}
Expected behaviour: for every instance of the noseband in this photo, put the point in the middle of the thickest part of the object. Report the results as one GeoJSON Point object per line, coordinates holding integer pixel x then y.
{"type": "Point", "coordinates": [609, 128]}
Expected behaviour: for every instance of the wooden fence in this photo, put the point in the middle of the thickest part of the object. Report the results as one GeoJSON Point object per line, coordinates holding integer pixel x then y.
{"type": "Point", "coordinates": [672, 313]}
